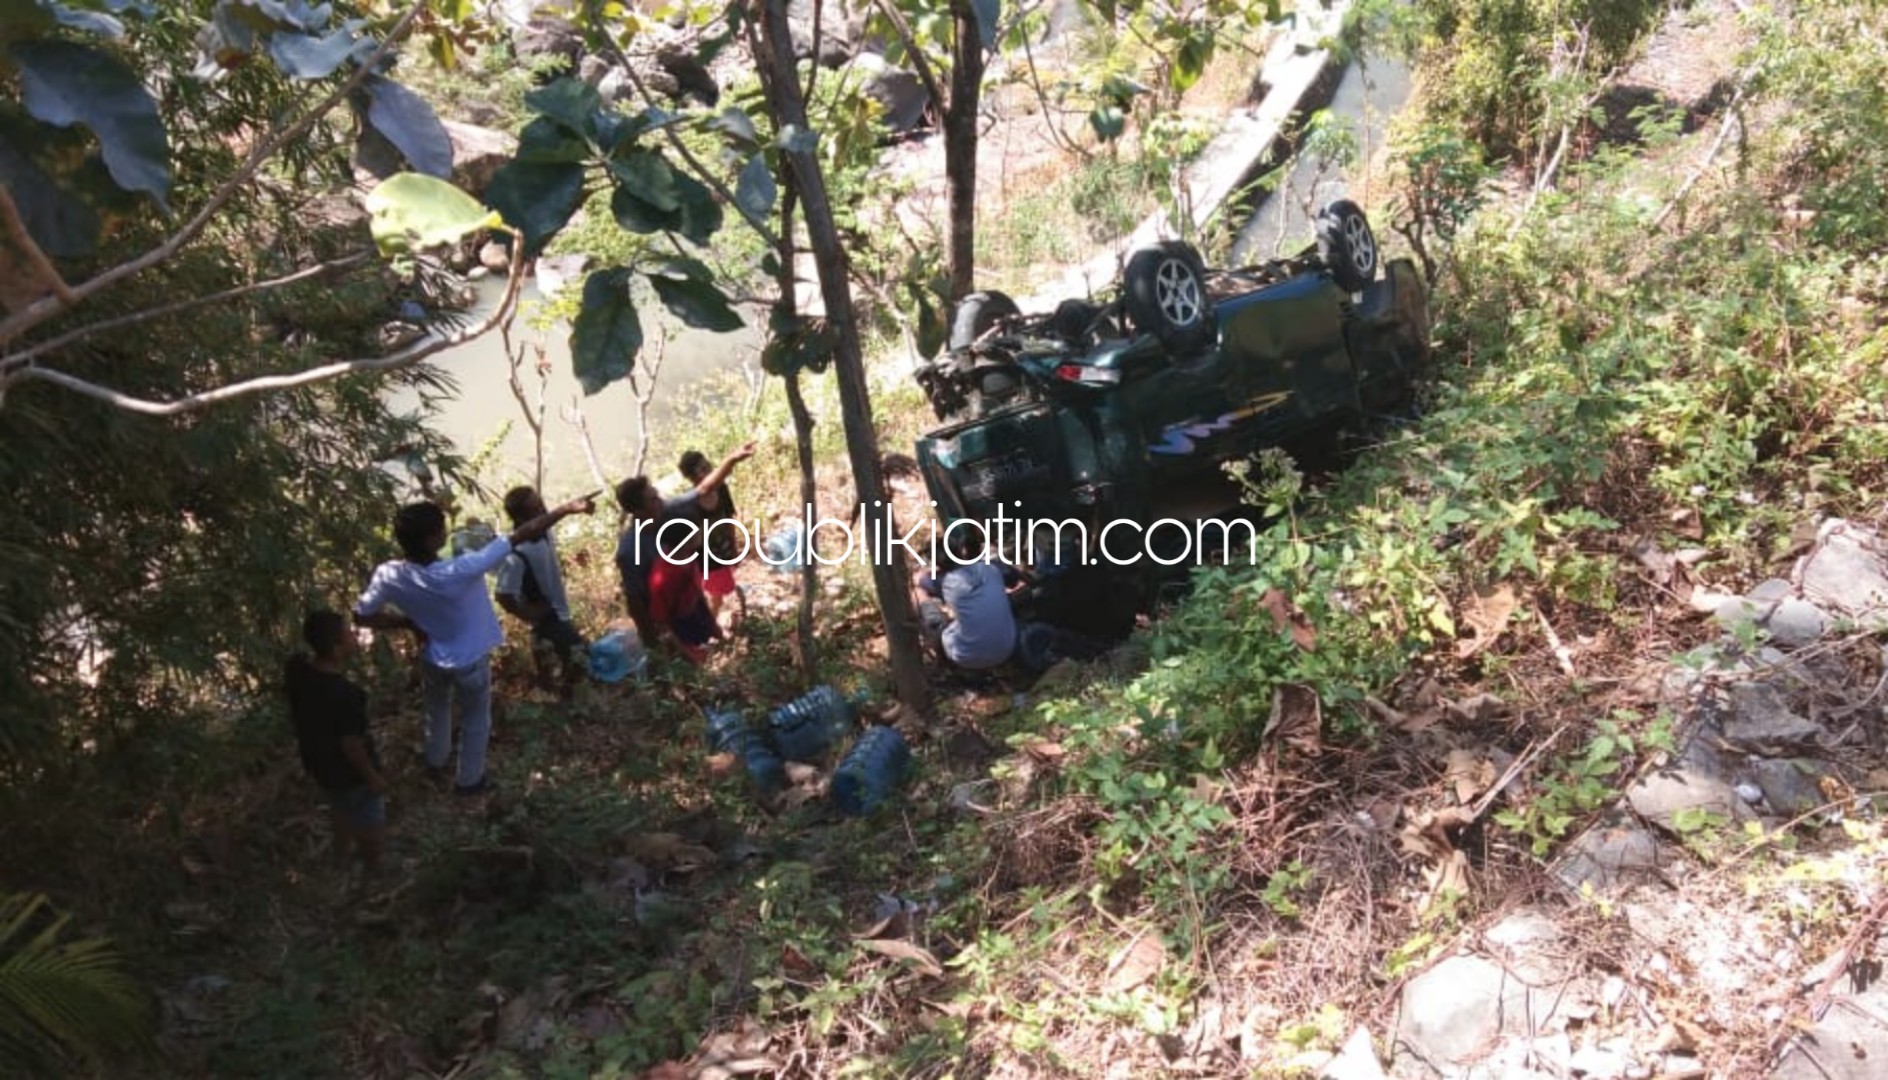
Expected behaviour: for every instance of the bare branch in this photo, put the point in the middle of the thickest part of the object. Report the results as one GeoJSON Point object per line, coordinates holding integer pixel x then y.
{"type": "Point", "coordinates": [41, 310]}
{"type": "Point", "coordinates": [573, 415]}
{"type": "Point", "coordinates": [262, 384]}
{"type": "Point", "coordinates": [1732, 119]}
{"type": "Point", "coordinates": [36, 258]}
{"type": "Point", "coordinates": [13, 360]}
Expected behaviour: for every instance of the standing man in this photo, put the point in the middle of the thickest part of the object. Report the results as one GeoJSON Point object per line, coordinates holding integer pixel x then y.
{"type": "Point", "coordinates": [531, 588]}
{"type": "Point", "coordinates": [445, 601]}
{"type": "Point", "coordinates": [647, 510]}
{"type": "Point", "coordinates": [330, 717]}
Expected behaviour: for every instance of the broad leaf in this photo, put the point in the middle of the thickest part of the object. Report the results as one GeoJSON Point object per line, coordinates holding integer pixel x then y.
{"type": "Point", "coordinates": [680, 267]}
{"type": "Point", "coordinates": [697, 303]}
{"type": "Point", "coordinates": [1109, 122]}
{"type": "Point", "coordinates": [409, 123]}
{"type": "Point", "coordinates": [637, 216]}
{"type": "Point", "coordinates": [755, 191]}
{"type": "Point", "coordinates": [795, 139]}
{"type": "Point", "coordinates": [701, 214]}
{"type": "Point", "coordinates": [607, 333]}
{"type": "Point", "coordinates": [738, 127]}
{"type": "Point", "coordinates": [376, 156]}
{"type": "Point", "coordinates": [545, 140]}
{"type": "Point", "coordinates": [414, 211]}
{"type": "Point", "coordinates": [537, 200]}
{"type": "Point", "coordinates": [305, 56]}
{"type": "Point", "coordinates": [1190, 62]}
{"type": "Point", "coordinates": [63, 225]}
{"type": "Point", "coordinates": [650, 176]}
{"type": "Point", "coordinates": [571, 102]}
{"type": "Point", "coordinates": [65, 83]}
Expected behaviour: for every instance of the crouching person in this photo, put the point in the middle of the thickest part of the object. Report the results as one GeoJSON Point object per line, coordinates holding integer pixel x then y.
{"type": "Point", "coordinates": [964, 609]}
{"type": "Point", "coordinates": [330, 717]}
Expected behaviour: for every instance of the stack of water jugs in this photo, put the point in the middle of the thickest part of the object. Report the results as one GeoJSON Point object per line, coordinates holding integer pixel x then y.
{"type": "Point", "coordinates": [804, 730]}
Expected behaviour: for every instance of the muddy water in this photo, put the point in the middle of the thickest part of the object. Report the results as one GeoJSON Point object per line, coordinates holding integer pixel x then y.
{"type": "Point", "coordinates": [485, 405]}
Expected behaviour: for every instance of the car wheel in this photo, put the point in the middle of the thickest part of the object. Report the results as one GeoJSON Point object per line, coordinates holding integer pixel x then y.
{"type": "Point", "coordinates": [1347, 245]}
{"type": "Point", "coordinates": [976, 314]}
{"type": "Point", "coordinates": [1166, 296]}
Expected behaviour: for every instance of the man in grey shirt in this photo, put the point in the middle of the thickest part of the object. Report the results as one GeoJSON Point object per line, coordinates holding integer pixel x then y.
{"type": "Point", "coordinates": [973, 624]}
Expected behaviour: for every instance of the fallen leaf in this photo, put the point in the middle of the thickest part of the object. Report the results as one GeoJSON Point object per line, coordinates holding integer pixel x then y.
{"type": "Point", "coordinates": [1288, 618]}
{"type": "Point", "coordinates": [795, 963]}
{"type": "Point", "coordinates": [669, 851]}
{"type": "Point", "coordinates": [1296, 720]}
{"type": "Point", "coordinates": [1476, 709]}
{"type": "Point", "coordinates": [920, 956]}
{"type": "Point", "coordinates": [1410, 722]}
{"type": "Point", "coordinates": [1044, 750]}
{"type": "Point", "coordinates": [1687, 523]}
{"type": "Point", "coordinates": [1485, 613]}
{"type": "Point", "coordinates": [1470, 772]}
{"type": "Point", "coordinates": [1134, 965]}
{"type": "Point", "coordinates": [1679, 1033]}
{"type": "Point", "coordinates": [1384, 812]}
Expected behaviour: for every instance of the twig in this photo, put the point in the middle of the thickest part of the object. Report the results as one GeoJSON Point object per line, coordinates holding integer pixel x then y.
{"type": "Point", "coordinates": [331, 267]}
{"type": "Point", "coordinates": [41, 310]}
{"type": "Point", "coordinates": [1561, 652]}
{"type": "Point", "coordinates": [573, 415]}
{"type": "Point", "coordinates": [1514, 770]}
{"type": "Point", "coordinates": [1731, 119]}
{"type": "Point", "coordinates": [248, 387]}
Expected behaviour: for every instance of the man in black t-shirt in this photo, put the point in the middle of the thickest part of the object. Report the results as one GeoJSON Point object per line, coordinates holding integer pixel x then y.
{"type": "Point", "coordinates": [330, 717]}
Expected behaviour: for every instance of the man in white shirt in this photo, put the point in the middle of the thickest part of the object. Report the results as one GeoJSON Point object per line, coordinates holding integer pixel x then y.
{"type": "Point", "coordinates": [531, 588]}
{"type": "Point", "coordinates": [446, 603]}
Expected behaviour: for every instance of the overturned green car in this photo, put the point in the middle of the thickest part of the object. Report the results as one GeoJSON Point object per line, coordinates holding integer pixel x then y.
{"type": "Point", "coordinates": [1100, 411]}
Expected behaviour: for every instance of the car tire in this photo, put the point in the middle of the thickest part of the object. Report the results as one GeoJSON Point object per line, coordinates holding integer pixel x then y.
{"type": "Point", "coordinates": [1347, 245]}
{"type": "Point", "coordinates": [1166, 296]}
{"type": "Point", "coordinates": [976, 314]}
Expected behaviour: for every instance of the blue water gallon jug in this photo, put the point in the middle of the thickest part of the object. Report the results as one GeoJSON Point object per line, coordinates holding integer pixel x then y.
{"type": "Point", "coordinates": [869, 773]}
{"type": "Point", "coordinates": [784, 550]}
{"type": "Point", "coordinates": [809, 725]}
{"type": "Point", "coordinates": [728, 733]}
{"type": "Point", "coordinates": [616, 656]}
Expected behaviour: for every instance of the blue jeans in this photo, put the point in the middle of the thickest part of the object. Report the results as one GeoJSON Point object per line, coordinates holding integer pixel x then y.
{"type": "Point", "coordinates": [473, 688]}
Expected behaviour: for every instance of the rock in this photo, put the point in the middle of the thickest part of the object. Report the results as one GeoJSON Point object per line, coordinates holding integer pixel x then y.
{"type": "Point", "coordinates": [1599, 1063]}
{"type": "Point", "coordinates": [1356, 1060]}
{"type": "Point", "coordinates": [898, 92]}
{"type": "Point", "coordinates": [477, 153]}
{"type": "Point", "coordinates": [1846, 572]}
{"type": "Point", "coordinates": [556, 271]}
{"type": "Point", "coordinates": [1452, 1014]}
{"type": "Point", "coordinates": [1796, 622]}
{"type": "Point", "coordinates": [1607, 856]}
{"type": "Point", "coordinates": [1789, 784]}
{"type": "Point", "coordinates": [493, 256]}
{"type": "Point", "coordinates": [1772, 591]}
{"type": "Point", "coordinates": [1850, 1042]}
{"type": "Point", "coordinates": [841, 31]}
{"type": "Point", "coordinates": [548, 45]}
{"type": "Point", "coordinates": [1761, 717]}
{"type": "Point", "coordinates": [1526, 942]}
{"type": "Point", "coordinates": [1660, 796]}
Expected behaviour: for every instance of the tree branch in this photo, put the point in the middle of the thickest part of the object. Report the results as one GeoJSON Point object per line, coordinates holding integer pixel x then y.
{"type": "Point", "coordinates": [41, 310]}
{"type": "Point", "coordinates": [262, 384]}
{"type": "Point", "coordinates": [14, 360]}
{"type": "Point", "coordinates": [926, 73]}
{"type": "Point", "coordinates": [681, 149]}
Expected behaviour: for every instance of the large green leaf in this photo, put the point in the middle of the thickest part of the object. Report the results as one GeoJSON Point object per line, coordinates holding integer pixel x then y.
{"type": "Point", "coordinates": [63, 225]}
{"type": "Point", "coordinates": [701, 214]}
{"type": "Point", "coordinates": [60, 999]}
{"type": "Point", "coordinates": [65, 83]}
{"type": "Point", "coordinates": [697, 303]}
{"type": "Point", "coordinates": [536, 199]}
{"type": "Point", "coordinates": [571, 102]}
{"type": "Point", "coordinates": [414, 211]}
{"type": "Point", "coordinates": [409, 124]}
{"type": "Point", "coordinates": [754, 192]}
{"type": "Point", "coordinates": [545, 140]}
{"type": "Point", "coordinates": [738, 128]}
{"type": "Point", "coordinates": [308, 56]}
{"type": "Point", "coordinates": [649, 176]}
{"type": "Point", "coordinates": [607, 333]}
{"type": "Point", "coordinates": [637, 216]}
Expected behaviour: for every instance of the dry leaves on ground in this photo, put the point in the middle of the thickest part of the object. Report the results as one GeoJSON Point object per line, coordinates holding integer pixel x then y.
{"type": "Point", "coordinates": [1486, 614]}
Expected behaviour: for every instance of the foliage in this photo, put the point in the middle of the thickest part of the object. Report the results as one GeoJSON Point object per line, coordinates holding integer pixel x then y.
{"type": "Point", "coordinates": [62, 1001]}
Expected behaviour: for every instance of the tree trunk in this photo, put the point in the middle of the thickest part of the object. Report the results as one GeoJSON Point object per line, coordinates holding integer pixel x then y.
{"type": "Point", "coordinates": [960, 145]}
{"type": "Point", "coordinates": [855, 404]}
{"type": "Point", "coordinates": [806, 648]}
